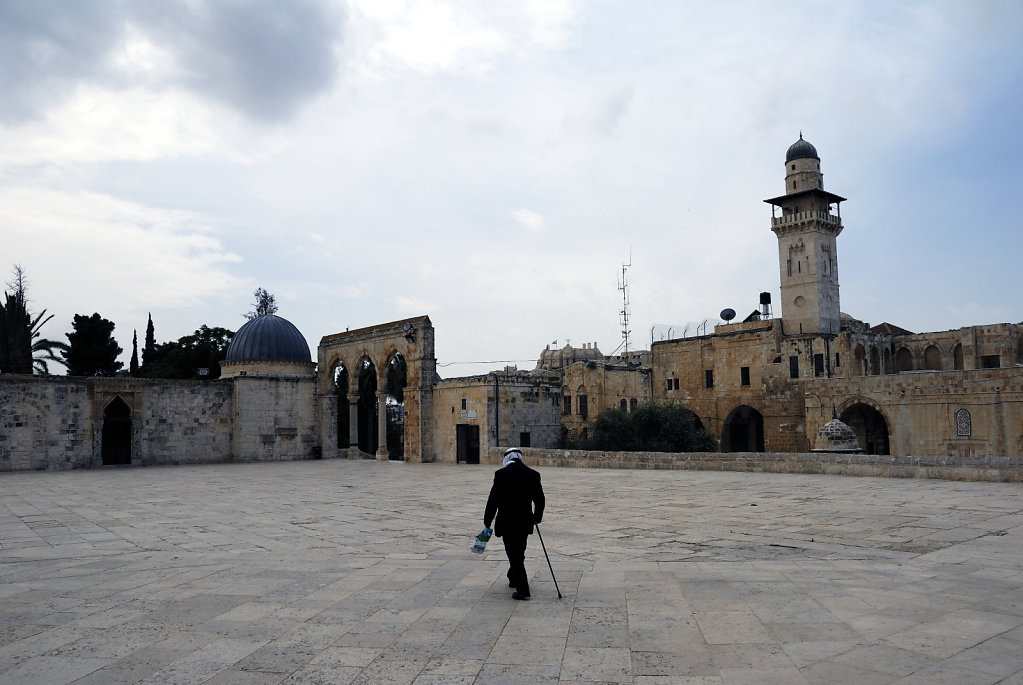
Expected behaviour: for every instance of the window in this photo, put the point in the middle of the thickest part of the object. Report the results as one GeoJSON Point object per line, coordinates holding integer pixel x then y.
{"type": "Point", "coordinates": [464, 404]}
{"type": "Point", "coordinates": [990, 361]}
{"type": "Point", "coordinates": [964, 423]}
{"type": "Point", "coordinates": [799, 267]}
{"type": "Point", "coordinates": [837, 361]}
{"type": "Point", "coordinates": [744, 375]}
{"type": "Point", "coordinates": [583, 406]}
{"type": "Point", "coordinates": [793, 167]}
{"type": "Point", "coordinates": [524, 439]}
{"type": "Point", "coordinates": [818, 365]}
{"type": "Point", "coordinates": [788, 266]}
{"type": "Point", "coordinates": [623, 404]}
{"type": "Point", "coordinates": [708, 378]}
{"type": "Point", "coordinates": [567, 408]}
{"type": "Point", "coordinates": [793, 367]}
{"type": "Point", "coordinates": [669, 384]}
{"type": "Point", "coordinates": [633, 403]}
{"type": "Point", "coordinates": [676, 384]}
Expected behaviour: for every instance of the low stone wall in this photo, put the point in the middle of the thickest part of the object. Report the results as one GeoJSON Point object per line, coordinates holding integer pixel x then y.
{"type": "Point", "coordinates": [1003, 469]}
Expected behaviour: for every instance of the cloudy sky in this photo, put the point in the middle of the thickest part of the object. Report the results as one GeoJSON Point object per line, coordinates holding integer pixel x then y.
{"type": "Point", "coordinates": [495, 164]}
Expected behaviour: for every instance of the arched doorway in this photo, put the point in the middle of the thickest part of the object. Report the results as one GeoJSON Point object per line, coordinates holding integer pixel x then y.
{"type": "Point", "coordinates": [397, 374]}
{"type": "Point", "coordinates": [116, 448]}
{"type": "Point", "coordinates": [340, 380]}
{"type": "Point", "coordinates": [870, 427]}
{"type": "Point", "coordinates": [743, 430]}
{"type": "Point", "coordinates": [367, 406]}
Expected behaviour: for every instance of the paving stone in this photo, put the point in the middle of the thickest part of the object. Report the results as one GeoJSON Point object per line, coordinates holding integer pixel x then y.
{"type": "Point", "coordinates": [358, 572]}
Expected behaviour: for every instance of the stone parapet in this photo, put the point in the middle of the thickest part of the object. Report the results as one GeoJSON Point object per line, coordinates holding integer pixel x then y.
{"type": "Point", "coordinates": [993, 469]}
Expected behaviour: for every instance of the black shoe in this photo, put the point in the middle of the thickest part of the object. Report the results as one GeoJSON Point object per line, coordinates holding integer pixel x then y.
{"type": "Point", "coordinates": [524, 596]}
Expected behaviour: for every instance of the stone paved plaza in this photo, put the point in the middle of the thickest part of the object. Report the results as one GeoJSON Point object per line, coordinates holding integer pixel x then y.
{"type": "Point", "coordinates": [359, 572]}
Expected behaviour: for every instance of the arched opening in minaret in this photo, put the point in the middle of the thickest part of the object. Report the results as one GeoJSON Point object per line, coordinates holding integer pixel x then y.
{"type": "Point", "coordinates": [743, 430]}
{"type": "Point", "coordinates": [367, 413]}
{"type": "Point", "coordinates": [870, 427]}
{"type": "Point", "coordinates": [116, 447]}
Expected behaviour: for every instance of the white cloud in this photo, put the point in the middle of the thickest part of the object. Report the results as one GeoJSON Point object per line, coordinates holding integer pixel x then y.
{"type": "Point", "coordinates": [529, 220]}
{"type": "Point", "coordinates": [86, 252]}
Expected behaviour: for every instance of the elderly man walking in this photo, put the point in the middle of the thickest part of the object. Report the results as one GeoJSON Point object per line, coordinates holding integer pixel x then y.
{"type": "Point", "coordinates": [517, 499]}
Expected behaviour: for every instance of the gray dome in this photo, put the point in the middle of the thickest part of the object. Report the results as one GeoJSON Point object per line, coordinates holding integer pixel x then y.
{"type": "Point", "coordinates": [836, 436]}
{"type": "Point", "coordinates": [268, 338]}
{"type": "Point", "coordinates": [801, 149]}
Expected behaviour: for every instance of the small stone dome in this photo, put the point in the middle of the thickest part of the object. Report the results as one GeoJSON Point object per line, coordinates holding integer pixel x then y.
{"type": "Point", "coordinates": [836, 436]}
{"type": "Point", "coordinates": [801, 149]}
{"type": "Point", "coordinates": [268, 338]}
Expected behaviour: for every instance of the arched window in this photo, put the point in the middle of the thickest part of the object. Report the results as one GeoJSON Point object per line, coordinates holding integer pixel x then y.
{"type": "Point", "coordinates": [957, 357]}
{"type": "Point", "coordinates": [904, 360]}
{"type": "Point", "coordinates": [932, 358]}
{"type": "Point", "coordinates": [623, 404]}
{"type": "Point", "coordinates": [633, 403]}
{"type": "Point", "coordinates": [964, 423]}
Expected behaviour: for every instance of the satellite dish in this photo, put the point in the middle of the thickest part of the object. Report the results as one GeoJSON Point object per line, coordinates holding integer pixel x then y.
{"type": "Point", "coordinates": [728, 314]}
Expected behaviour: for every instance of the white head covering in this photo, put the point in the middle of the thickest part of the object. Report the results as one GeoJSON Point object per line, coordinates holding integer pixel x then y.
{"type": "Point", "coordinates": [510, 455]}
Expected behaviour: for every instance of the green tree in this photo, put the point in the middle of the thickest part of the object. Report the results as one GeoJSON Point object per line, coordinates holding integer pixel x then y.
{"type": "Point", "coordinates": [22, 347]}
{"type": "Point", "coordinates": [92, 349]}
{"type": "Point", "coordinates": [133, 366]}
{"type": "Point", "coordinates": [150, 344]}
{"type": "Point", "coordinates": [650, 427]}
{"type": "Point", "coordinates": [265, 304]}
{"type": "Point", "coordinates": [204, 349]}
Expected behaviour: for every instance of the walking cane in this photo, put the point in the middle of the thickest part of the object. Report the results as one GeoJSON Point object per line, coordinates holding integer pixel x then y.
{"type": "Point", "coordinates": [537, 526]}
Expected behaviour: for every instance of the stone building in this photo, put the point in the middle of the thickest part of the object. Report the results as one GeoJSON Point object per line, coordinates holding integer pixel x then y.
{"type": "Point", "coordinates": [772, 383]}
{"type": "Point", "coordinates": [762, 384]}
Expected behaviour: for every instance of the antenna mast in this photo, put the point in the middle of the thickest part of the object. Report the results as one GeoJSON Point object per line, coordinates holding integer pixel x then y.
{"type": "Point", "coordinates": [624, 287]}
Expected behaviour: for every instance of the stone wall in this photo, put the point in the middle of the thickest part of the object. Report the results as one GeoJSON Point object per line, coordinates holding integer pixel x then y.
{"type": "Point", "coordinates": [57, 422]}
{"type": "Point", "coordinates": [501, 406]}
{"type": "Point", "coordinates": [993, 469]}
{"type": "Point", "coordinates": [276, 418]}
{"type": "Point", "coordinates": [44, 425]}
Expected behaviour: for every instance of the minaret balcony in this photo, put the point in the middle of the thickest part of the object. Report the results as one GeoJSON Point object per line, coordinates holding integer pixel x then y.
{"type": "Point", "coordinates": [803, 217]}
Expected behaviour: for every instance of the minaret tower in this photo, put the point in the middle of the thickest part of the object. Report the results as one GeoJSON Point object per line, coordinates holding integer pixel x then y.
{"type": "Point", "coordinates": [807, 251]}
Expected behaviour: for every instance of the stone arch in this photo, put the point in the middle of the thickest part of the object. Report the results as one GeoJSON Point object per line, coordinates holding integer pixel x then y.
{"type": "Point", "coordinates": [889, 367]}
{"type": "Point", "coordinates": [633, 404]}
{"type": "Point", "coordinates": [116, 440]}
{"type": "Point", "coordinates": [903, 360]}
{"type": "Point", "coordinates": [875, 362]}
{"type": "Point", "coordinates": [414, 339]}
{"type": "Point", "coordinates": [395, 379]}
{"type": "Point", "coordinates": [340, 379]}
{"type": "Point", "coordinates": [366, 383]}
{"type": "Point", "coordinates": [859, 361]}
{"type": "Point", "coordinates": [868, 423]}
{"type": "Point", "coordinates": [623, 404]}
{"type": "Point", "coordinates": [957, 357]}
{"type": "Point", "coordinates": [743, 430]}
{"type": "Point", "coordinates": [932, 358]}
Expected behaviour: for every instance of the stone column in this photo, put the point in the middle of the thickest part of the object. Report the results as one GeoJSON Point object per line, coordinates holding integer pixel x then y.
{"type": "Point", "coordinates": [382, 453]}
{"type": "Point", "coordinates": [353, 420]}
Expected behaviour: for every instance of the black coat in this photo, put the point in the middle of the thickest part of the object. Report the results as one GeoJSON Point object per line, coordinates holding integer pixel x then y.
{"type": "Point", "coordinates": [517, 499]}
